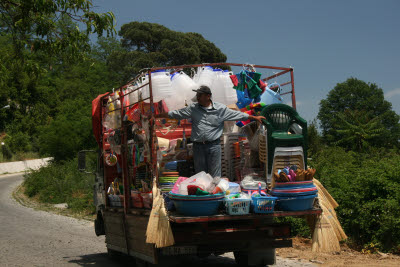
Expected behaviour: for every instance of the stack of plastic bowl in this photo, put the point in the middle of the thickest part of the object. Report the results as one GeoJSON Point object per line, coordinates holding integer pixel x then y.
{"type": "Point", "coordinates": [167, 181]}
{"type": "Point", "coordinates": [294, 196]}
{"type": "Point", "coordinates": [192, 205]}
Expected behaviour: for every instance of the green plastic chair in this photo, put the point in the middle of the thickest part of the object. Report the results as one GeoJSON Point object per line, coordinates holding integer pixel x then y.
{"type": "Point", "coordinates": [279, 118]}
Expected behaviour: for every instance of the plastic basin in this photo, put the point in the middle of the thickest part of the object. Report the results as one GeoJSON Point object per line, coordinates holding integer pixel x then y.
{"type": "Point", "coordinates": [296, 203]}
{"type": "Point", "coordinates": [197, 205]}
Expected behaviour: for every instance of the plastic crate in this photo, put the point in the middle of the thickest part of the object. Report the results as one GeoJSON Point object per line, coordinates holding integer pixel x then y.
{"type": "Point", "coordinates": [263, 204]}
{"type": "Point", "coordinates": [237, 206]}
{"type": "Point", "coordinates": [116, 200]}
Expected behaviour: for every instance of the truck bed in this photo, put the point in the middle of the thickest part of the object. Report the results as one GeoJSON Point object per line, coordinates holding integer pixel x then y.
{"type": "Point", "coordinates": [202, 234]}
{"type": "Point", "coordinates": [177, 218]}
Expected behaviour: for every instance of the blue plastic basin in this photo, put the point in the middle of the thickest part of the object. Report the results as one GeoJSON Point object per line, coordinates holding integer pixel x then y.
{"type": "Point", "coordinates": [197, 205]}
{"type": "Point", "coordinates": [197, 208]}
{"type": "Point", "coordinates": [296, 203]}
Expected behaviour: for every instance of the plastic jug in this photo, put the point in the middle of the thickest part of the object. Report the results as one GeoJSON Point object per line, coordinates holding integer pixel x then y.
{"type": "Point", "coordinates": [222, 186]}
{"type": "Point", "coordinates": [133, 96]}
{"type": "Point", "coordinates": [205, 76]}
{"type": "Point", "coordinates": [230, 92]}
{"type": "Point", "coordinates": [222, 88]}
{"type": "Point", "coordinates": [217, 87]}
{"type": "Point", "coordinates": [161, 85]}
{"type": "Point", "coordinates": [144, 92]}
{"type": "Point", "coordinates": [182, 91]}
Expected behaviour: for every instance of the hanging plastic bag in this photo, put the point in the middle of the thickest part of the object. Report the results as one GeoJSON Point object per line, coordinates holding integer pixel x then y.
{"type": "Point", "coordinates": [254, 142]}
{"type": "Point", "coordinates": [243, 100]}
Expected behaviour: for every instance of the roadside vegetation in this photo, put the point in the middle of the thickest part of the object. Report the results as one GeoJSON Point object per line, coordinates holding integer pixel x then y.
{"type": "Point", "coordinates": [61, 182]}
{"type": "Point", "coordinates": [49, 83]}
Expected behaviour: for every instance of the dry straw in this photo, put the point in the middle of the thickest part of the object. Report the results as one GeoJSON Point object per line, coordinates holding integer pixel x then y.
{"type": "Point", "coordinates": [159, 230]}
{"type": "Point", "coordinates": [327, 229]}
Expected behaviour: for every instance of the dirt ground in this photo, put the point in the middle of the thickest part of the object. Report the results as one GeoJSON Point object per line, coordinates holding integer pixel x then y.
{"type": "Point", "coordinates": [346, 257]}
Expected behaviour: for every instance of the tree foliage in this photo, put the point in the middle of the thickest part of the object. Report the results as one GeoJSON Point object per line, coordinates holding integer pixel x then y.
{"type": "Point", "coordinates": [150, 45]}
{"type": "Point", "coordinates": [314, 139]}
{"type": "Point", "coordinates": [357, 129]}
{"type": "Point", "coordinates": [355, 108]}
{"type": "Point", "coordinates": [35, 24]}
{"type": "Point", "coordinates": [51, 103]}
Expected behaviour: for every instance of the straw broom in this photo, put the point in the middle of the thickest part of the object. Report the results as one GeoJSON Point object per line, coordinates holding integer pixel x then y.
{"type": "Point", "coordinates": [324, 237]}
{"type": "Point", "coordinates": [327, 229]}
{"type": "Point", "coordinates": [165, 236]}
{"type": "Point", "coordinates": [152, 225]}
{"type": "Point", "coordinates": [158, 228]}
{"type": "Point", "coordinates": [330, 204]}
{"type": "Point", "coordinates": [325, 193]}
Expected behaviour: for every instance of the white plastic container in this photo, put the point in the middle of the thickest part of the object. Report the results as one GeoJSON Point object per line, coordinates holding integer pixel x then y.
{"type": "Point", "coordinates": [222, 88]}
{"type": "Point", "coordinates": [223, 185]}
{"type": "Point", "coordinates": [205, 76]}
{"type": "Point", "coordinates": [217, 86]}
{"type": "Point", "coordinates": [182, 91]}
{"type": "Point", "coordinates": [144, 92]}
{"type": "Point", "coordinates": [133, 96]}
{"type": "Point", "coordinates": [161, 85]}
{"type": "Point", "coordinates": [230, 92]}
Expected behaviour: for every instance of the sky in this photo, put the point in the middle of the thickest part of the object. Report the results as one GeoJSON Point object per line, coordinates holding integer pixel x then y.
{"type": "Point", "coordinates": [326, 42]}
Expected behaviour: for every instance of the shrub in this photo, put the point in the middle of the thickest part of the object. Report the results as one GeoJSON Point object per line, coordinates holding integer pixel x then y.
{"type": "Point", "coordinates": [62, 183]}
{"type": "Point", "coordinates": [367, 188]}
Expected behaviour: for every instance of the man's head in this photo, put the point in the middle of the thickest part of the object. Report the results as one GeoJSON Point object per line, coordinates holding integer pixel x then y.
{"type": "Point", "coordinates": [203, 95]}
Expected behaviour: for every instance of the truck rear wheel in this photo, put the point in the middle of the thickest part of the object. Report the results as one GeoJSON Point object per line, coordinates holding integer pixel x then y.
{"type": "Point", "coordinates": [258, 258]}
{"type": "Point", "coordinates": [142, 263]}
{"type": "Point", "coordinates": [113, 254]}
{"type": "Point", "coordinates": [241, 258]}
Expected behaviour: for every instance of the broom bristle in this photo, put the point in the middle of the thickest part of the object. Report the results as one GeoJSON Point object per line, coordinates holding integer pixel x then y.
{"type": "Point", "coordinates": [165, 237]}
{"type": "Point", "coordinates": [151, 231]}
{"type": "Point", "coordinates": [159, 230]}
{"type": "Point", "coordinates": [327, 231]}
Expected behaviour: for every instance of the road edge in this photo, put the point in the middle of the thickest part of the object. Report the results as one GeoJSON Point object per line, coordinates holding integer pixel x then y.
{"type": "Point", "coordinates": [19, 196]}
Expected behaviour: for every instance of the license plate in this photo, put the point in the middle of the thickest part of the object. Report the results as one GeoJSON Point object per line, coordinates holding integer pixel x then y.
{"type": "Point", "coordinates": [185, 250]}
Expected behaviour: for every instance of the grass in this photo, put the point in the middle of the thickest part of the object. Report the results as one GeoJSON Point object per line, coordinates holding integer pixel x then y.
{"type": "Point", "coordinates": [34, 203]}
{"type": "Point", "coordinates": [61, 183]}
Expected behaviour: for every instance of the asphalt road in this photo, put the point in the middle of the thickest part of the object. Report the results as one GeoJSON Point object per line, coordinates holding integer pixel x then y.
{"type": "Point", "coordinates": [36, 238]}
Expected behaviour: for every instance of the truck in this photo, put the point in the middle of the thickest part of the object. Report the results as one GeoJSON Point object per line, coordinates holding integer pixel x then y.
{"type": "Point", "coordinates": [252, 237]}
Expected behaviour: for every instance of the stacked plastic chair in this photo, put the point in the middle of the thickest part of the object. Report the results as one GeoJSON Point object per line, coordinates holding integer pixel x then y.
{"type": "Point", "coordinates": [279, 118]}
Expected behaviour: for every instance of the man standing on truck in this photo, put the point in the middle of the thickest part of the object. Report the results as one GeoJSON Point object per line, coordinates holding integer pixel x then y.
{"type": "Point", "coordinates": [207, 126]}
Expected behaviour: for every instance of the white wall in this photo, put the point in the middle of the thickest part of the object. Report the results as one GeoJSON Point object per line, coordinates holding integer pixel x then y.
{"type": "Point", "coordinates": [20, 166]}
